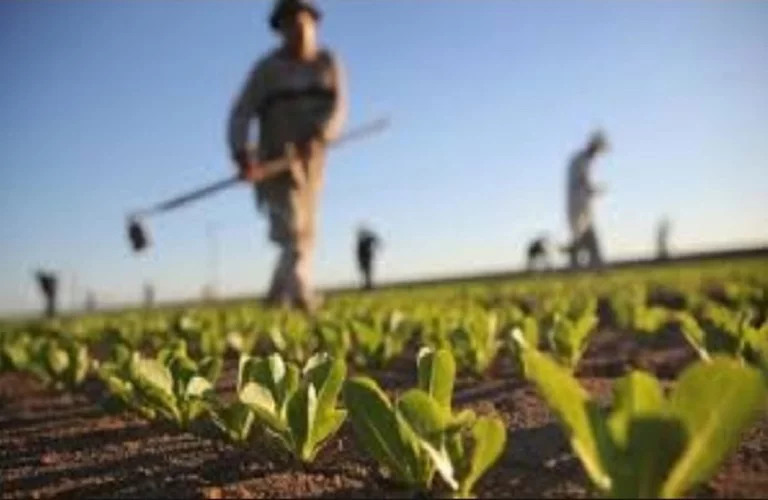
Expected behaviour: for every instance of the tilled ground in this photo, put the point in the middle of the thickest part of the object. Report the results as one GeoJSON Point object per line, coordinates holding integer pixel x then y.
{"type": "Point", "coordinates": [57, 444]}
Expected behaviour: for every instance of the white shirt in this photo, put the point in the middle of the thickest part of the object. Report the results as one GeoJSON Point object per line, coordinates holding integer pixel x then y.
{"type": "Point", "coordinates": [580, 193]}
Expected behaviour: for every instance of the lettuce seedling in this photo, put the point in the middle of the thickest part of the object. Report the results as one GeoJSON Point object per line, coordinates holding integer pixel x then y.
{"type": "Point", "coordinates": [649, 446]}
{"type": "Point", "coordinates": [476, 341]}
{"type": "Point", "coordinates": [378, 339]}
{"type": "Point", "coordinates": [298, 408]}
{"type": "Point", "coordinates": [419, 434]}
{"type": "Point", "coordinates": [171, 386]}
{"type": "Point", "coordinates": [725, 332]}
{"type": "Point", "coordinates": [57, 361]}
{"type": "Point", "coordinates": [175, 390]}
{"type": "Point", "coordinates": [528, 328]}
{"type": "Point", "coordinates": [568, 339]}
{"type": "Point", "coordinates": [335, 338]}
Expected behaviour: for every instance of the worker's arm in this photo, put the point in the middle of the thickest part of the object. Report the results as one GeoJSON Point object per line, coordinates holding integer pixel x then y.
{"type": "Point", "coordinates": [245, 108]}
{"type": "Point", "coordinates": [585, 180]}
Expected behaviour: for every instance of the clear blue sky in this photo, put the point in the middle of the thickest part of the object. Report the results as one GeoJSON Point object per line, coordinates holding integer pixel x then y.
{"type": "Point", "coordinates": [109, 106]}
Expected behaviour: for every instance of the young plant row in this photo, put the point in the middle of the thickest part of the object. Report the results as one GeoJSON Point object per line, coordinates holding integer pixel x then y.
{"type": "Point", "coordinates": [300, 408]}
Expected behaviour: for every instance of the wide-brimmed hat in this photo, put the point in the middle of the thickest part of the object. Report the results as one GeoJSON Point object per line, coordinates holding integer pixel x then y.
{"type": "Point", "coordinates": [284, 8]}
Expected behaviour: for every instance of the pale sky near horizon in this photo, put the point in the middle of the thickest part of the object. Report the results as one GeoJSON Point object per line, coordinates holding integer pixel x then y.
{"type": "Point", "coordinates": [109, 106]}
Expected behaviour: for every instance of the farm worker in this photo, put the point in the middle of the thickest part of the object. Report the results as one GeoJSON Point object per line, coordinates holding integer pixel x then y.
{"type": "Point", "coordinates": [149, 295]}
{"type": "Point", "coordinates": [581, 192]}
{"type": "Point", "coordinates": [538, 253]}
{"type": "Point", "coordinates": [662, 239]}
{"type": "Point", "coordinates": [48, 286]}
{"type": "Point", "coordinates": [297, 93]}
{"type": "Point", "coordinates": [368, 243]}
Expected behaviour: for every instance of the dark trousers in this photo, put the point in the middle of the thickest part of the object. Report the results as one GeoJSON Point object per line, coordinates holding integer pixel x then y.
{"type": "Point", "coordinates": [50, 306]}
{"type": "Point", "coordinates": [366, 268]}
{"type": "Point", "coordinates": [586, 243]}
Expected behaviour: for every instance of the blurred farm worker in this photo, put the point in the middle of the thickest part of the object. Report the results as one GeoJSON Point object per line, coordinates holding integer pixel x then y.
{"type": "Point", "coordinates": [48, 283]}
{"type": "Point", "coordinates": [580, 194]}
{"type": "Point", "coordinates": [90, 301]}
{"type": "Point", "coordinates": [297, 93]}
{"type": "Point", "coordinates": [538, 253]}
{"type": "Point", "coordinates": [149, 295]}
{"type": "Point", "coordinates": [662, 239]}
{"type": "Point", "coordinates": [368, 243]}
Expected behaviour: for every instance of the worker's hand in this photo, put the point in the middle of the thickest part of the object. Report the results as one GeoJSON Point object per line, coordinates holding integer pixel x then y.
{"type": "Point", "coordinates": [248, 170]}
{"type": "Point", "coordinates": [253, 171]}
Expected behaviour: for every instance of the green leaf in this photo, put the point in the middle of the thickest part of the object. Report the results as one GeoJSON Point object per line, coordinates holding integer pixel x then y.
{"type": "Point", "coordinates": [272, 375]}
{"type": "Point", "coordinates": [121, 353]}
{"type": "Point", "coordinates": [259, 399]}
{"type": "Point", "coordinates": [716, 403]}
{"type": "Point", "coordinates": [118, 387]}
{"type": "Point", "coordinates": [236, 341]}
{"type": "Point", "coordinates": [19, 355]}
{"type": "Point", "coordinates": [328, 377]}
{"type": "Point", "coordinates": [276, 371]}
{"type": "Point", "coordinates": [639, 417]}
{"type": "Point", "coordinates": [331, 383]}
{"type": "Point", "coordinates": [462, 420]}
{"type": "Point", "coordinates": [301, 412]}
{"type": "Point", "coordinates": [436, 374]}
{"type": "Point", "coordinates": [198, 387]}
{"type": "Point", "coordinates": [154, 373]}
{"type": "Point", "coordinates": [326, 426]}
{"type": "Point", "coordinates": [693, 333]}
{"type": "Point", "coordinates": [81, 364]}
{"type": "Point", "coordinates": [290, 383]}
{"type": "Point", "coordinates": [639, 468]}
{"type": "Point", "coordinates": [489, 437]}
{"type": "Point", "coordinates": [569, 339]}
{"type": "Point", "coordinates": [246, 367]}
{"type": "Point", "coordinates": [425, 416]}
{"type": "Point", "coordinates": [57, 359]}
{"type": "Point", "coordinates": [315, 361]}
{"type": "Point", "coordinates": [155, 385]}
{"type": "Point", "coordinates": [235, 420]}
{"type": "Point", "coordinates": [210, 368]}
{"type": "Point", "coordinates": [377, 428]}
{"type": "Point", "coordinates": [442, 462]}
{"type": "Point", "coordinates": [530, 331]}
{"type": "Point", "coordinates": [637, 394]}
{"type": "Point", "coordinates": [581, 418]}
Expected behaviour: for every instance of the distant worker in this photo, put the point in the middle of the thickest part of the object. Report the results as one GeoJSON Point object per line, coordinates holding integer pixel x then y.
{"type": "Point", "coordinates": [581, 192]}
{"type": "Point", "coordinates": [149, 295]}
{"type": "Point", "coordinates": [538, 254]}
{"type": "Point", "coordinates": [90, 301]}
{"type": "Point", "coordinates": [662, 239]}
{"type": "Point", "coordinates": [368, 243]}
{"type": "Point", "coordinates": [48, 283]}
{"type": "Point", "coordinates": [297, 93]}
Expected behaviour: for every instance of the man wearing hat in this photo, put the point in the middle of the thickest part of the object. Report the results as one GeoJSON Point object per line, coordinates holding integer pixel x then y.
{"type": "Point", "coordinates": [297, 93]}
{"type": "Point", "coordinates": [581, 192]}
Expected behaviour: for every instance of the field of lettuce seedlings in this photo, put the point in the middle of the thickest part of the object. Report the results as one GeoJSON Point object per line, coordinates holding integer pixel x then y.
{"type": "Point", "coordinates": [647, 382]}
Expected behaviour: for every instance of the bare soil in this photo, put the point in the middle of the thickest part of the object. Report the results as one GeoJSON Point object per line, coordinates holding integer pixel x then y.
{"type": "Point", "coordinates": [65, 444]}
